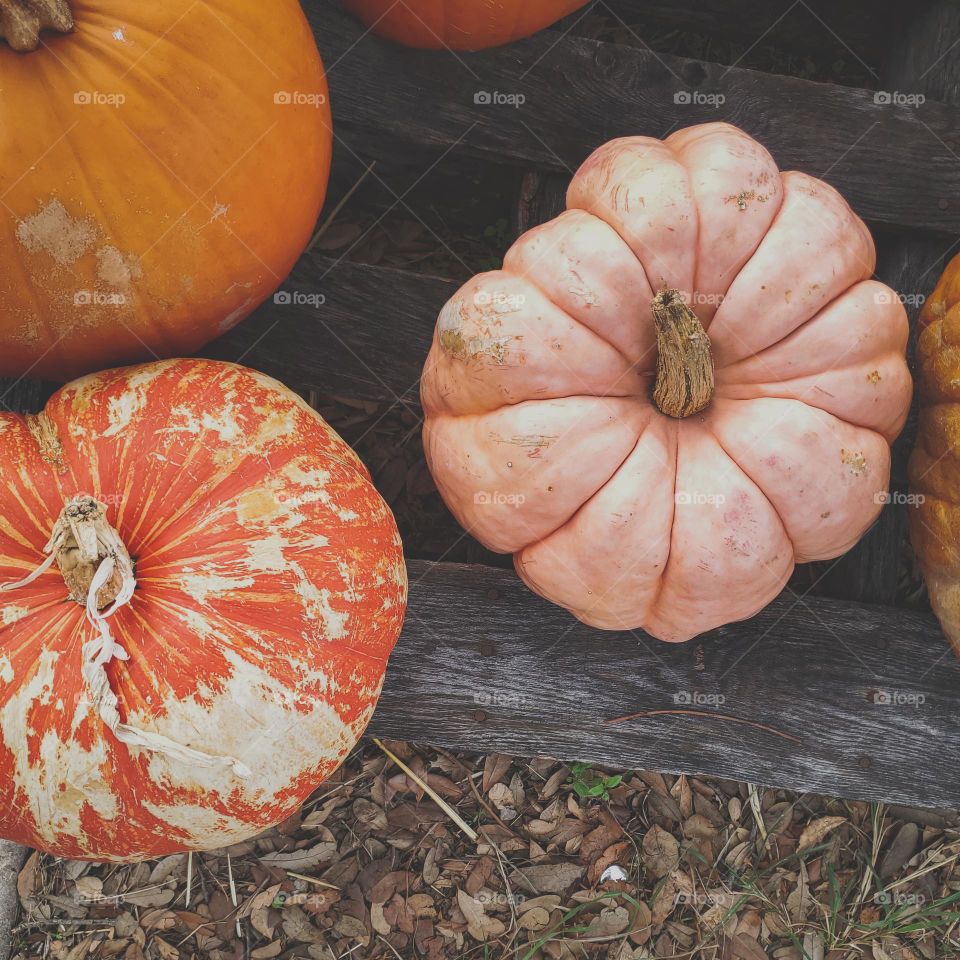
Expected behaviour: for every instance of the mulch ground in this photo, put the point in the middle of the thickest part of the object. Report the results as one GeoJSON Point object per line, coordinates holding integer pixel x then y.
{"type": "Point", "coordinates": [567, 862]}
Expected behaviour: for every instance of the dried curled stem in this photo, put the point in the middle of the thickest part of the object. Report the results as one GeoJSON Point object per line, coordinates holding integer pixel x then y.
{"type": "Point", "coordinates": [684, 365]}
{"type": "Point", "coordinates": [82, 540]}
{"type": "Point", "coordinates": [22, 21]}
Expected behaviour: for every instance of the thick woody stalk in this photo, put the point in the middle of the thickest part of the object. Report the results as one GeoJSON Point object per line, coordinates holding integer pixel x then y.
{"type": "Point", "coordinates": [684, 365]}
{"type": "Point", "coordinates": [22, 21]}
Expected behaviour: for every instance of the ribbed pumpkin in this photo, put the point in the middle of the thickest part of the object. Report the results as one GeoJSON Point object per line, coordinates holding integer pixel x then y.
{"type": "Point", "coordinates": [162, 167]}
{"type": "Point", "coordinates": [935, 462]}
{"type": "Point", "coordinates": [202, 588]}
{"type": "Point", "coordinates": [677, 389]}
{"type": "Point", "coordinates": [460, 24]}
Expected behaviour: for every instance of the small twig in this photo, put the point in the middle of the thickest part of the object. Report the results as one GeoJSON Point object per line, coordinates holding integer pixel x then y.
{"type": "Point", "coordinates": [189, 880]}
{"type": "Point", "coordinates": [479, 796]}
{"type": "Point", "coordinates": [447, 809]}
{"type": "Point", "coordinates": [702, 713]}
{"type": "Point", "coordinates": [59, 922]}
{"type": "Point", "coordinates": [319, 883]}
{"type": "Point", "coordinates": [390, 945]}
{"type": "Point", "coordinates": [343, 202]}
{"type": "Point", "coordinates": [233, 893]}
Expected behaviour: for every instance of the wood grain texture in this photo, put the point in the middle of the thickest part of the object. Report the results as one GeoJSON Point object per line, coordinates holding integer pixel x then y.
{"type": "Point", "coordinates": [343, 328]}
{"type": "Point", "coordinates": [580, 93]}
{"type": "Point", "coordinates": [805, 28]}
{"type": "Point", "coordinates": [12, 857]}
{"type": "Point", "coordinates": [925, 59]}
{"type": "Point", "coordinates": [490, 666]}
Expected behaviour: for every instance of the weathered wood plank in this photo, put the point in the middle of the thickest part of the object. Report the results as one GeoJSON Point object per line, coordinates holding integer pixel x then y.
{"type": "Point", "coordinates": [485, 665]}
{"type": "Point", "coordinates": [12, 857]}
{"type": "Point", "coordinates": [810, 28]}
{"type": "Point", "coordinates": [925, 60]}
{"type": "Point", "coordinates": [579, 93]}
{"type": "Point", "coordinates": [343, 328]}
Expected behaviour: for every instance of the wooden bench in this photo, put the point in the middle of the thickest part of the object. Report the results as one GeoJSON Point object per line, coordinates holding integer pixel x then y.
{"type": "Point", "coordinates": [837, 690]}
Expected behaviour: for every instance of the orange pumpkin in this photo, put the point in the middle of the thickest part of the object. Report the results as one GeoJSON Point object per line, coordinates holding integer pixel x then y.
{"type": "Point", "coordinates": [935, 461]}
{"type": "Point", "coordinates": [202, 588]}
{"type": "Point", "coordinates": [675, 390]}
{"type": "Point", "coordinates": [162, 168]}
{"type": "Point", "coordinates": [460, 24]}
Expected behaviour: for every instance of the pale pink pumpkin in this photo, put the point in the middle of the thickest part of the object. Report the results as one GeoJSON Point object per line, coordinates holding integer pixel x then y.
{"type": "Point", "coordinates": [269, 591]}
{"type": "Point", "coordinates": [541, 430]}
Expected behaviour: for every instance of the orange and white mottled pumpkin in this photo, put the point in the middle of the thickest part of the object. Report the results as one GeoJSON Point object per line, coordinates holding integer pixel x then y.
{"type": "Point", "coordinates": [201, 591]}
{"type": "Point", "coordinates": [675, 390]}
{"type": "Point", "coordinates": [162, 166]}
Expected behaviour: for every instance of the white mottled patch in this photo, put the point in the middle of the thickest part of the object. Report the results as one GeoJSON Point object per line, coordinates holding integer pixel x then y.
{"type": "Point", "coordinates": [198, 623]}
{"type": "Point", "coordinates": [224, 425]}
{"type": "Point", "coordinates": [122, 409]}
{"type": "Point", "coordinates": [201, 585]}
{"type": "Point", "coordinates": [6, 670]}
{"type": "Point", "coordinates": [315, 483]}
{"type": "Point", "coordinates": [316, 604]}
{"type": "Point", "coordinates": [115, 269]}
{"type": "Point", "coordinates": [53, 231]}
{"type": "Point", "coordinates": [64, 777]}
{"type": "Point", "coordinates": [12, 614]}
{"type": "Point", "coordinates": [351, 592]}
{"type": "Point", "coordinates": [234, 317]}
{"type": "Point", "coordinates": [266, 555]}
{"type": "Point", "coordinates": [253, 718]}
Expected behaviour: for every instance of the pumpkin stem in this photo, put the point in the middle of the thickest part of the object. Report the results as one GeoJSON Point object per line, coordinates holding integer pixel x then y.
{"type": "Point", "coordinates": [98, 572]}
{"type": "Point", "coordinates": [22, 21]}
{"type": "Point", "coordinates": [684, 383]}
{"type": "Point", "coordinates": [82, 542]}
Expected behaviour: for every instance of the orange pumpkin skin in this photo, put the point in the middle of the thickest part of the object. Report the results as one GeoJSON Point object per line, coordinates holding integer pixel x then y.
{"type": "Point", "coordinates": [460, 24]}
{"type": "Point", "coordinates": [545, 427]}
{"type": "Point", "coordinates": [270, 591]}
{"type": "Point", "coordinates": [935, 461]}
{"type": "Point", "coordinates": [153, 197]}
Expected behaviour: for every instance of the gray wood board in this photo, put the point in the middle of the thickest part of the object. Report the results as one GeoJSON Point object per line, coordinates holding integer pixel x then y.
{"type": "Point", "coordinates": [485, 665]}
{"type": "Point", "coordinates": [895, 162]}
{"type": "Point", "coordinates": [344, 328]}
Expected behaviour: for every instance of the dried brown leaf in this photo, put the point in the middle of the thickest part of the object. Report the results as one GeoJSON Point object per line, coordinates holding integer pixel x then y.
{"type": "Point", "coordinates": [661, 851]}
